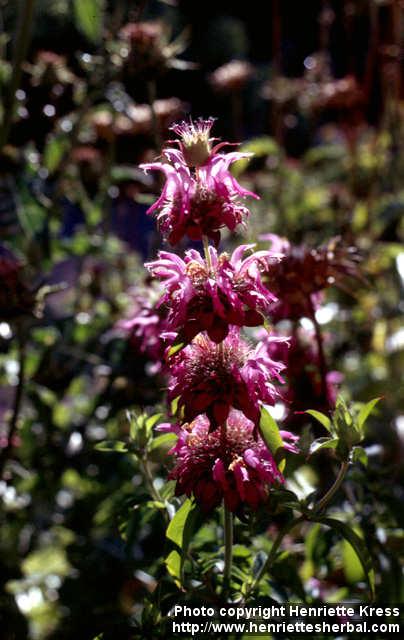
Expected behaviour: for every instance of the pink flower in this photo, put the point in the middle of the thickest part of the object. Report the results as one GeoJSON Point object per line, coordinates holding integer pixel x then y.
{"type": "Point", "coordinates": [146, 325]}
{"type": "Point", "coordinates": [200, 196]}
{"type": "Point", "coordinates": [210, 297]}
{"type": "Point", "coordinates": [299, 279]}
{"type": "Point", "coordinates": [211, 378]}
{"type": "Point", "coordinates": [231, 465]}
{"type": "Point", "coordinates": [304, 388]}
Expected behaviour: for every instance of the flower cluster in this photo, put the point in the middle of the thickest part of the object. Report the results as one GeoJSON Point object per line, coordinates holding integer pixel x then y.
{"type": "Point", "coordinates": [146, 325]}
{"type": "Point", "coordinates": [210, 378]}
{"type": "Point", "coordinates": [200, 195]}
{"type": "Point", "coordinates": [213, 296]}
{"type": "Point", "coordinates": [238, 468]}
{"type": "Point", "coordinates": [302, 361]}
{"type": "Point", "coordinates": [298, 280]}
{"type": "Point", "coordinates": [217, 383]}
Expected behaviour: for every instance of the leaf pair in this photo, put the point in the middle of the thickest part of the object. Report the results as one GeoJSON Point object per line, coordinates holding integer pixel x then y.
{"type": "Point", "coordinates": [346, 429]}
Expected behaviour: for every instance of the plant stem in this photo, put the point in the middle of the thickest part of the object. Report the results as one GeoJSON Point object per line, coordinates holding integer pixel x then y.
{"type": "Point", "coordinates": [205, 241]}
{"type": "Point", "coordinates": [332, 490]}
{"type": "Point", "coordinates": [144, 465]}
{"type": "Point", "coordinates": [228, 548]}
{"type": "Point", "coordinates": [20, 51]}
{"type": "Point", "coordinates": [274, 550]}
{"type": "Point", "coordinates": [17, 399]}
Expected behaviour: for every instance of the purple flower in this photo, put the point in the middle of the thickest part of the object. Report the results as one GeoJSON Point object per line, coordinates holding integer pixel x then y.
{"type": "Point", "coordinates": [210, 297]}
{"type": "Point", "coordinates": [200, 196]}
{"type": "Point", "coordinates": [304, 389]}
{"type": "Point", "coordinates": [211, 378]}
{"type": "Point", "coordinates": [232, 465]}
{"type": "Point", "coordinates": [300, 278]}
{"type": "Point", "coordinates": [146, 325]}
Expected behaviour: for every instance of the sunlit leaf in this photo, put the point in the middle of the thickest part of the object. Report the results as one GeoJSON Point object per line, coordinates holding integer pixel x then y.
{"type": "Point", "coordinates": [176, 530]}
{"type": "Point", "coordinates": [365, 412]}
{"type": "Point", "coordinates": [270, 431]}
{"type": "Point", "coordinates": [89, 16]}
{"type": "Point", "coordinates": [175, 348]}
{"type": "Point", "coordinates": [165, 440]}
{"type": "Point", "coordinates": [357, 544]}
{"type": "Point", "coordinates": [324, 443]}
{"type": "Point", "coordinates": [359, 455]}
{"type": "Point", "coordinates": [173, 563]}
{"type": "Point", "coordinates": [320, 417]}
{"type": "Point", "coordinates": [54, 151]}
{"type": "Point", "coordinates": [179, 532]}
{"type": "Point", "coordinates": [111, 445]}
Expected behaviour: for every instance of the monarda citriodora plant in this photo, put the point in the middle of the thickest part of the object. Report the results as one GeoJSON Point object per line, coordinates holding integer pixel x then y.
{"type": "Point", "coordinates": [226, 451]}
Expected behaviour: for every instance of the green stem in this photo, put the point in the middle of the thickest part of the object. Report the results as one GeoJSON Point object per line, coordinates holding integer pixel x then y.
{"type": "Point", "coordinates": [228, 548]}
{"type": "Point", "coordinates": [144, 465]}
{"type": "Point", "coordinates": [205, 241]}
{"type": "Point", "coordinates": [20, 51]}
{"type": "Point", "coordinates": [332, 490]}
{"type": "Point", "coordinates": [293, 523]}
{"type": "Point", "coordinates": [274, 550]}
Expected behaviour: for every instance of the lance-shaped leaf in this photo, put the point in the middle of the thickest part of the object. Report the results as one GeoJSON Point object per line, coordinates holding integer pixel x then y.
{"type": "Point", "coordinates": [358, 546]}
{"type": "Point", "coordinates": [321, 418]}
{"type": "Point", "coordinates": [359, 455]}
{"type": "Point", "coordinates": [323, 443]}
{"type": "Point", "coordinates": [270, 431]}
{"type": "Point", "coordinates": [179, 531]}
{"type": "Point", "coordinates": [112, 445]}
{"type": "Point", "coordinates": [89, 16]}
{"type": "Point", "coordinates": [365, 411]}
{"type": "Point", "coordinates": [165, 440]}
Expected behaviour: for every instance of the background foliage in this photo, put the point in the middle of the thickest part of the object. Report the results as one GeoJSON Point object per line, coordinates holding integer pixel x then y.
{"type": "Point", "coordinates": [82, 523]}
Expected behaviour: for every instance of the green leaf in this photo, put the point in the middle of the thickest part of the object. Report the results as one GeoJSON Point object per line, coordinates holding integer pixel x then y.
{"type": "Point", "coordinates": [112, 445]}
{"type": "Point", "coordinates": [320, 417]}
{"type": "Point", "coordinates": [358, 546]}
{"type": "Point", "coordinates": [165, 440]}
{"type": "Point", "coordinates": [365, 411]}
{"type": "Point", "coordinates": [179, 531]}
{"type": "Point", "coordinates": [174, 564]}
{"type": "Point", "coordinates": [153, 420]}
{"type": "Point", "coordinates": [323, 443]}
{"type": "Point", "coordinates": [54, 151]}
{"type": "Point", "coordinates": [359, 455]}
{"type": "Point", "coordinates": [89, 16]}
{"type": "Point", "coordinates": [270, 432]}
{"type": "Point", "coordinates": [353, 569]}
{"type": "Point", "coordinates": [177, 346]}
{"type": "Point", "coordinates": [176, 530]}
{"type": "Point", "coordinates": [259, 147]}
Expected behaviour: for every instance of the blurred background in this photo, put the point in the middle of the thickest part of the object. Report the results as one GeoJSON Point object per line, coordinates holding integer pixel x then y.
{"type": "Point", "coordinates": [89, 90]}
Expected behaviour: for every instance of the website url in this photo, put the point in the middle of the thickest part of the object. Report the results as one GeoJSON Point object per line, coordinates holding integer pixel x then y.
{"type": "Point", "coordinates": [298, 627]}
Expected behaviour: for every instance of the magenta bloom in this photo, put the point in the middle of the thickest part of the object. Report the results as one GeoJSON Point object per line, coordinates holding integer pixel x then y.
{"type": "Point", "coordinates": [146, 325]}
{"type": "Point", "coordinates": [234, 466]}
{"type": "Point", "coordinates": [204, 297]}
{"type": "Point", "coordinates": [300, 278]}
{"type": "Point", "coordinates": [200, 196]}
{"type": "Point", "coordinates": [304, 388]}
{"type": "Point", "coordinates": [211, 378]}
